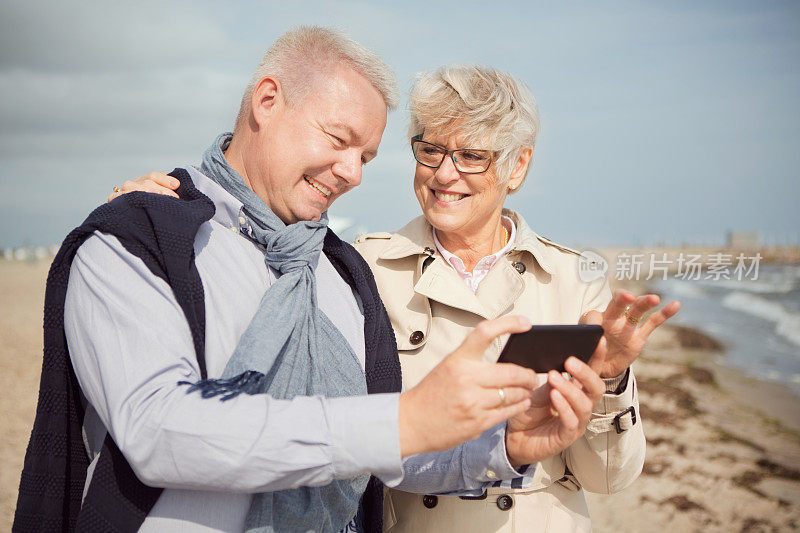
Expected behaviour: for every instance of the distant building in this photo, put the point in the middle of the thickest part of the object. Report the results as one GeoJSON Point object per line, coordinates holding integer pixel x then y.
{"type": "Point", "coordinates": [21, 254]}
{"type": "Point", "coordinates": [743, 240]}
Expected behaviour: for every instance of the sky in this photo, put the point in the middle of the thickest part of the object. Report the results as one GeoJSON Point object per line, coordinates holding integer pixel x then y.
{"type": "Point", "coordinates": [661, 122]}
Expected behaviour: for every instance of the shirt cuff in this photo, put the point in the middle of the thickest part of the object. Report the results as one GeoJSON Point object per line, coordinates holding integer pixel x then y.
{"type": "Point", "coordinates": [487, 459]}
{"type": "Point", "coordinates": [366, 436]}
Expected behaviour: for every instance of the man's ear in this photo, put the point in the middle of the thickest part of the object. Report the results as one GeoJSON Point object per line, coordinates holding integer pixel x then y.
{"type": "Point", "coordinates": [520, 166]}
{"type": "Point", "coordinates": [267, 98]}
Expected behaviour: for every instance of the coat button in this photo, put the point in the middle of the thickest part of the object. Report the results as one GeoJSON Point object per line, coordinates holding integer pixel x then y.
{"type": "Point", "coordinates": [430, 501]}
{"type": "Point", "coordinates": [416, 338]}
{"type": "Point", "coordinates": [519, 265]}
{"type": "Point", "coordinates": [504, 502]}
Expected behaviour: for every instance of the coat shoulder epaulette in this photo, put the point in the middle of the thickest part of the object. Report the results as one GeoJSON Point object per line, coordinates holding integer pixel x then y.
{"type": "Point", "coordinates": [385, 235]}
{"type": "Point", "coordinates": [561, 247]}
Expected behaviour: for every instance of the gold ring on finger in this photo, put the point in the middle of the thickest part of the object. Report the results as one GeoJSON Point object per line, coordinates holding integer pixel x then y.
{"type": "Point", "coordinates": [633, 320]}
{"type": "Point", "coordinates": [117, 190]}
{"type": "Point", "coordinates": [586, 313]}
{"type": "Point", "coordinates": [502, 394]}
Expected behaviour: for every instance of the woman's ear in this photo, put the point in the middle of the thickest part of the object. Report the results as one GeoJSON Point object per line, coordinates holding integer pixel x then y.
{"type": "Point", "coordinates": [520, 167]}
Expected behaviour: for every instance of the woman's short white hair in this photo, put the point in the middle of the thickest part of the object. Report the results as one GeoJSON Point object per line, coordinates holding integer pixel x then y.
{"type": "Point", "coordinates": [302, 56]}
{"type": "Point", "coordinates": [491, 109]}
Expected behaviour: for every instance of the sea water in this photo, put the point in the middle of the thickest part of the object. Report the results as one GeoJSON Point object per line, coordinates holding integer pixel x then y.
{"type": "Point", "coordinates": [758, 320]}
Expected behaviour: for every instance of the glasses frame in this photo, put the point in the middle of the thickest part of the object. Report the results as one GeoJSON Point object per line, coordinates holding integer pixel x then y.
{"type": "Point", "coordinates": [416, 140]}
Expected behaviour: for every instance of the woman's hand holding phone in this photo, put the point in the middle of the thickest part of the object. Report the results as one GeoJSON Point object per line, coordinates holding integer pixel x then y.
{"type": "Point", "coordinates": [559, 412]}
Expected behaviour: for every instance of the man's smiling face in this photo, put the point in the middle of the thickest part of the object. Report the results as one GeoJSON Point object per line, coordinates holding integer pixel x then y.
{"type": "Point", "coordinates": [304, 156]}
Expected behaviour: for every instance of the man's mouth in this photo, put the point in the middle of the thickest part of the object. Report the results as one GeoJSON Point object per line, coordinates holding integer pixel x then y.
{"type": "Point", "coordinates": [448, 196]}
{"type": "Point", "coordinates": [317, 186]}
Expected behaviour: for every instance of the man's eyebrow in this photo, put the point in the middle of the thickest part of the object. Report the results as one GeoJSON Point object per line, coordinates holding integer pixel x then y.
{"type": "Point", "coordinates": [354, 137]}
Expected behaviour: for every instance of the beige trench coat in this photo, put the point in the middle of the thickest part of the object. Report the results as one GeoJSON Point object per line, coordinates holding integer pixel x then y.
{"type": "Point", "coordinates": [432, 310]}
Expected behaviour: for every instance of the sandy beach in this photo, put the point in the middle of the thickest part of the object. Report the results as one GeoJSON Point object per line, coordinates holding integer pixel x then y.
{"type": "Point", "coordinates": [21, 304]}
{"type": "Point", "coordinates": [723, 449]}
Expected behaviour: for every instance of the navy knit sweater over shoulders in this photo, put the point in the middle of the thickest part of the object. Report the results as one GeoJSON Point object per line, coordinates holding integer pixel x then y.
{"type": "Point", "coordinates": [160, 230]}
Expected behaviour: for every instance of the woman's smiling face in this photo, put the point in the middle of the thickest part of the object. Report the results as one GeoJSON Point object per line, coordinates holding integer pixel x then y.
{"type": "Point", "coordinates": [454, 201]}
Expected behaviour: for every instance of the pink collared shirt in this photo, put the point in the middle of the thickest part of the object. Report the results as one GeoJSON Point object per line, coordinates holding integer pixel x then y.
{"type": "Point", "coordinates": [473, 279]}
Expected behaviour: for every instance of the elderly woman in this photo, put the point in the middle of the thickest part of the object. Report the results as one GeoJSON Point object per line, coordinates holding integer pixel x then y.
{"type": "Point", "coordinates": [467, 259]}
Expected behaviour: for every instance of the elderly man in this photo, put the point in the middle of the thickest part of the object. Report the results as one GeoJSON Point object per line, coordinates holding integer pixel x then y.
{"type": "Point", "coordinates": [170, 309]}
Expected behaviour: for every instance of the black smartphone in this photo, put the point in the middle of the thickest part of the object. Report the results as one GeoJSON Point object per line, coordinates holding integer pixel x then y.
{"type": "Point", "coordinates": [545, 348]}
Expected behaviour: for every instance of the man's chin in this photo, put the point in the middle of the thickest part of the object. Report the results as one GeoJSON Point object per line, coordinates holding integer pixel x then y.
{"type": "Point", "coordinates": [311, 214]}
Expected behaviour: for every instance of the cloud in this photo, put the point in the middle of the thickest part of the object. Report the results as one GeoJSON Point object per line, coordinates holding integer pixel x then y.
{"type": "Point", "coordinates": [96, 35]}
{"type": "Point", "coordinates": [637, 100]}
{"type": "Point", "coordinates": [47, 103]}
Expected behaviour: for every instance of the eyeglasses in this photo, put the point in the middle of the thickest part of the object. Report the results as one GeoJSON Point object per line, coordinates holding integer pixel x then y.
{"type": "Point", "coordinates": [466, 160]}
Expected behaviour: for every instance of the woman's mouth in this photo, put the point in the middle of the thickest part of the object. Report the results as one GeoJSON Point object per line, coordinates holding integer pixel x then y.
{"type": "Point", "coordinates": [448, 197]}
{"type": "Point", "coordinates": [317, 186]}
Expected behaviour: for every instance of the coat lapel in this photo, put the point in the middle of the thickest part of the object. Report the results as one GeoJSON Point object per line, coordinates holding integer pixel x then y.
{"type": "Point", "coordinates": [440, 283]}
{"type": "Point", "coordinates": [496, 293]}
{"type": "Point", "coordinates": [500, 289]}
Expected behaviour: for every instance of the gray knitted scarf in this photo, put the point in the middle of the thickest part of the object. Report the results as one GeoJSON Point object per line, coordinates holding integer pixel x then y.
{"type": "Point", "coordinates": [289, 349]}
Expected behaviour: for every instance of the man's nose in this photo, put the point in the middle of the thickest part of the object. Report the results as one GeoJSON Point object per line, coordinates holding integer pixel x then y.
{"type": "Point", "coordinates": [447, 171]}
{"type": "Point", "coordinates": [348, 168]}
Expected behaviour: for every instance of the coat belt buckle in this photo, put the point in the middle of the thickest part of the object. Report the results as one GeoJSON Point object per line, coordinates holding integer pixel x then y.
{"type": "Point", "coordinates": [616, 422]}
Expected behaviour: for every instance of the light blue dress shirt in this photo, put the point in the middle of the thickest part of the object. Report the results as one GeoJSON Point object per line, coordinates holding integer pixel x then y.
{"type": "Point", "coordinates": [130, 345]}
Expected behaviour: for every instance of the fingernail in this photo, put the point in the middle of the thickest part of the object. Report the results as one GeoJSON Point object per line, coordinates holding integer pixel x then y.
{"type": "Point", "coordinates": [524, 322]}
{"type": "Point", "coordinates": [555, 376]}
{"type": "Point", "coordinates": [174, 183]}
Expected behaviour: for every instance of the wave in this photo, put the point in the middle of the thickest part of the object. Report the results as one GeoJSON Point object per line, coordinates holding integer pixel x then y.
{"type": "Point", "coordinates": [683, 289]}
{"type": "Point", "coordinates": [772, 279]}
{"type": "Point", "coordinates": [777, 285]}
{"type": "Point", "coordinates": [787, 323]}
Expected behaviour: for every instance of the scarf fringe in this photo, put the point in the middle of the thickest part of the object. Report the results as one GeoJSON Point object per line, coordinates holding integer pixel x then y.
{"type": "Point", "coordinates": [248, 382]}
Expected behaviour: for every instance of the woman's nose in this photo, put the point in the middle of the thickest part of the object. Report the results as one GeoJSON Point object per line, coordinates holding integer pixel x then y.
{"type": "Point", "coordinates": [447, 172]}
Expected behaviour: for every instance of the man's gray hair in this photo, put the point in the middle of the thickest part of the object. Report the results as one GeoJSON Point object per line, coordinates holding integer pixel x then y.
{"type": "Point", "coordinates": [491, 109]}
{"type": "Point", "coordinates": [302, 56]}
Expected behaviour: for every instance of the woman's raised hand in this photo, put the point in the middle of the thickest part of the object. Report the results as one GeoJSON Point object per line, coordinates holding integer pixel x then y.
{"type": "Point", "coordinates": [625, 331]}
{"type": "Point", "coordinates": [155, 182]}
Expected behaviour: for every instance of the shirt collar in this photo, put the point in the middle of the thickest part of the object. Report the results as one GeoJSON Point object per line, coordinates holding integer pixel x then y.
{"type": "Point", "coordinates": [457, 263]}
{"type": "Point", "coordinates": [416, 238]}
{"type": "Point", "coordinates": [228, 208]}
